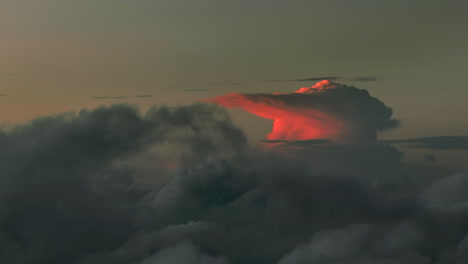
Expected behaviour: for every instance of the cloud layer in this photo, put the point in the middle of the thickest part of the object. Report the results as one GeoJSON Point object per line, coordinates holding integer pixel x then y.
{"type": "Point", "coordinates": [93, 187]}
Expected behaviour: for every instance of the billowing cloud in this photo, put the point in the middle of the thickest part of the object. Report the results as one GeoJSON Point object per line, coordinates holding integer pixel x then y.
{"type": "Point", "coordinates": [62, 199]}
{"type": "Point", "coordinates": [325, 110]}
{"type": "Point", "coordinates": [90, 187]}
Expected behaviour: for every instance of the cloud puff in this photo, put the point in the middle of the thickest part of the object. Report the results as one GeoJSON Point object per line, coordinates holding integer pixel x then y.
{"type": "Point", "coordinates": [362, 244]}
{"type": "Point", "coordinates": [325, 110]}
{"type": "Point", "coordinates": [448, 192]}
{"type": "Point", "coordinates": [183, 253]}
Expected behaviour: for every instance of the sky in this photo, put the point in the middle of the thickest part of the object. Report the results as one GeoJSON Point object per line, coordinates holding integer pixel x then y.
{"type": "Point", "coordinates": [56, 55]}
{"type": "Point", "coordinates": [132, 132]}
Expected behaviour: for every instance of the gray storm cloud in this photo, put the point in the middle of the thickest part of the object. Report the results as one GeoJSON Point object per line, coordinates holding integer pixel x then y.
{"type": "Point", "coordinates": [181, 185]}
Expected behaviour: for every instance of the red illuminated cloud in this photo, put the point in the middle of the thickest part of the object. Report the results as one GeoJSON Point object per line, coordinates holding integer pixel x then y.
{"type": "Point", "coordinates": [325, 110]}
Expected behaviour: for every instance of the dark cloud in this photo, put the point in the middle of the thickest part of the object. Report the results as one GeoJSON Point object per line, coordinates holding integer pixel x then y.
{"type": "Point", "coordinates": [91, 187]}
{"type": "Point", "coordinates": [60, 198]}
{"type": "Point", "coordinates": [183, 253]}
{"type": "Point", "coordinates": [331, 78]}
{"type": "Point", "coordinates": [121, 97]}
{"type": "Point", "coordinates": [440, 142]}
{"type": "Point", "coordinates": [303, 143]}
{"type": "Point", "coordinates": [361, 244]}
{"type": "Point", "coordinates": [365, 79]}
{"type": "Point", "coordinates": [195, 90]}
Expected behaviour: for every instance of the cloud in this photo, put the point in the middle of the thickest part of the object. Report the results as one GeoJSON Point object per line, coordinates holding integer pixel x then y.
{"type": "Point", "coordinates": [120, 97]}
{"type": "Point", "coordinates": [183, 253]}
{"type": "Point", "coordinates": [195, 90]}
{"type": "Point", "coordinates": [109, 97]}
{"type": "Point", "coordinates": [362, 244]}
{"type": "Point", "coordinates": [309, 79]}
{"type": "Point", "coordinates": [440, 142]}
{"type": "Point", "coordinates": [330, 78]}
{"type": "Point", "coordinates": [365, 79]}
{"type": "Point", "coordinates": [325, 110]}
{"type": "Point", "coordinates": [334, 78]}
{"type": "Point", "coordinates": [88, 188]}
{"type": "Point", "coordinates": [60, 198]}
{"type": "Point", "coordinates": [449, 192]}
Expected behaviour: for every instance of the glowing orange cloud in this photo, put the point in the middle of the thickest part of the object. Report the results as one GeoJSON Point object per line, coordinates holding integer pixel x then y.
{"type": "Point", "coordinates": [325, 110]}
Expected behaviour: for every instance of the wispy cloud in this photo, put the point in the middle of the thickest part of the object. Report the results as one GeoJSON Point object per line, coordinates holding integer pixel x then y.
{"type": "Point", "coordinates": [109, 97]}
{"type": "Point", "coordinates": [331, 78]}
{"type": "Point", "coordinates": [309, 79]}
{"type": "Point", "coordinates": [439, 142]}
{"type": "Point", "coordinates": [195, 90]}
{"type": "Point", "coordinates": [121, 97]}
{"type": "Point", "coordinates": [365, 79]}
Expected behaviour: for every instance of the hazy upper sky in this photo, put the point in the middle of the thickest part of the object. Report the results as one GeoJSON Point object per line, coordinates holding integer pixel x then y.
{"type": "Point", "coordinates": [55, 55]}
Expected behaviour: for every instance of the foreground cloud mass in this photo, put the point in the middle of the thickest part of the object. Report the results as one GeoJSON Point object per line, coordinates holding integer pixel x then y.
{"type": "Point", "coordinates": [181, 185]}
{"type": "Point", "coordinates": [325, 110]}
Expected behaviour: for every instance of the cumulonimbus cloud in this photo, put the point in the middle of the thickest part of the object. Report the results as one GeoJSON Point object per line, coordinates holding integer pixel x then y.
{"type": "Point", "coordinates": [325, 110]}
